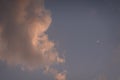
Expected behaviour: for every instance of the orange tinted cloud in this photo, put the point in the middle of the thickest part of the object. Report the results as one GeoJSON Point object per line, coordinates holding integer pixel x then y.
{"type": "Point", "coordinates": [23, 40]}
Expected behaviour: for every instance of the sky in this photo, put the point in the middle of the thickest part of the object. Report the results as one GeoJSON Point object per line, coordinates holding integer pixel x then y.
{"type": "Point", "coordinates": [86, 32]}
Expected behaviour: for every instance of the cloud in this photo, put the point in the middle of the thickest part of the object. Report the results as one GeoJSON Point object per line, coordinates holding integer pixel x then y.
{"type": "Point", "coordinates": [57, 75]}
{"type": "Point", "coordinates": [61, 76]}
{"type": "Point", "coordinates": [23, 38]}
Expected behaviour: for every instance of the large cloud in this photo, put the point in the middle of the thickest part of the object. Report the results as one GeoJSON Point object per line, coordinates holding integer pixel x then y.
{"type": "Point", "coordinates": [23, 40]}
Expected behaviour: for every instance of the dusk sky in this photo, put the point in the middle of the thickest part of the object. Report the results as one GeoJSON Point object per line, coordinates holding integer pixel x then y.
{"type": "Point", "coordinates": [86, 32]}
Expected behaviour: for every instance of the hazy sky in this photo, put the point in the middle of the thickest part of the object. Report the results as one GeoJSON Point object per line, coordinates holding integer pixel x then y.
{"type": "Point", "coordinates": [87, 32]}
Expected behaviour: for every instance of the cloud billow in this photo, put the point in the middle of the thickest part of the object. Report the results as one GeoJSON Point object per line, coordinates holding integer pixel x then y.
{"type": "Point", "coordinates": [23, 40]}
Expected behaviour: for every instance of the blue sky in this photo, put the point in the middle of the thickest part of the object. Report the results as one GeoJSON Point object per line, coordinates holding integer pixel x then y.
{"type": "Point", "coordinates": [89, 33]}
